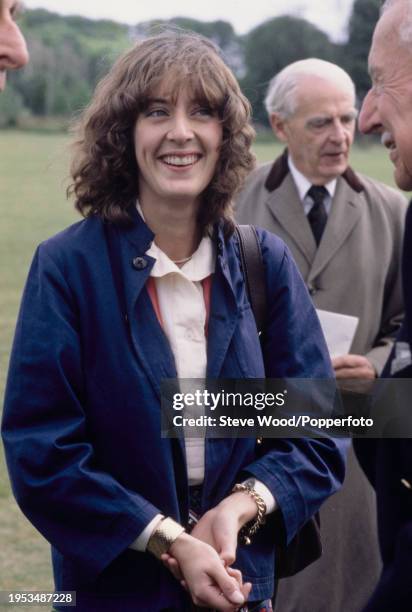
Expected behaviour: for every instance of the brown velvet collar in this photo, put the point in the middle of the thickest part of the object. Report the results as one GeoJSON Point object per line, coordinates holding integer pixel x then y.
{"type": "Point", "coordinates": [280, 169]}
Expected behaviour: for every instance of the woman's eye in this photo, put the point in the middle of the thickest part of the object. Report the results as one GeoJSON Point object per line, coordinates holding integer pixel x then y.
{"type": "Point", "coordinates": [205, 111]}
{"type": "Point", "coordinates": [156, 112]}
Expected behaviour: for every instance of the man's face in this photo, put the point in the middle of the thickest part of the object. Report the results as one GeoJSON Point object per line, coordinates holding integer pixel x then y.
{"type": "Point", "coordinates": [13, 50]}
{"type": "Point", "coordinates": [320, 132]}
{"type": "Point", "coordinates": [387, 109]}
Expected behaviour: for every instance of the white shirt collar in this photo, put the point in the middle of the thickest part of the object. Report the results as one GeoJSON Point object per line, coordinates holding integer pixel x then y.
{"type": "Point", "coordinates": [302, 183]}
{"type": "Point", "coordinates": [200, 265]}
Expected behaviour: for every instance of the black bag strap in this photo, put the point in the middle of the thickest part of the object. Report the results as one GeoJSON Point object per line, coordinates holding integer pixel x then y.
{"type": "Point", "coordinates": [305, 547]}
{"type": "Point", "coordinates": [253, 272]}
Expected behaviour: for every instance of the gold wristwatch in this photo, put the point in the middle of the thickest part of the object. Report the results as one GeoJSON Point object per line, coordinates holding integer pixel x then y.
{"type": "Point", "coordinates": [163, 537]}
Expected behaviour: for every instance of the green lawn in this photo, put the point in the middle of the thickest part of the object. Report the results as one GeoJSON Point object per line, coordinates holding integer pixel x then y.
{"type": "Point", "coordinates": [33, 168]}
{"type": "Point", "coordinates": [33, 171]}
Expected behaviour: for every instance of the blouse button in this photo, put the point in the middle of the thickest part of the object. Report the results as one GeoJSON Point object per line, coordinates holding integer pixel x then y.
{"type": "Point", "coordinates": [139, 263]}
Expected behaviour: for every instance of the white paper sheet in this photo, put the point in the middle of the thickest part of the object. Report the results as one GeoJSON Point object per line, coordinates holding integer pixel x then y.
{"type": "Point", "coordinates": [339, 331]}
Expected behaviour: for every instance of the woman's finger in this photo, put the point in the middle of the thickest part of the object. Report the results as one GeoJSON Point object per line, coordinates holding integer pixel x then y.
{"type": "Point", "coordinates": [174, 567]}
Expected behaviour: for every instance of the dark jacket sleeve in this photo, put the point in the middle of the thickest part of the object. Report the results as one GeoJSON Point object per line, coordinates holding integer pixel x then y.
{"type": "Point", "coordinates": [301, 473]}
{"type": "Point", "coordinates": [390, 470]}
{"type": "Point", "coordinates": [54, 473]}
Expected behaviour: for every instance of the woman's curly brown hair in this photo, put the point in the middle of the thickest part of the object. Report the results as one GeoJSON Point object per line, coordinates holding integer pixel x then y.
{"type": "Point", "coordinates": [104, 169]}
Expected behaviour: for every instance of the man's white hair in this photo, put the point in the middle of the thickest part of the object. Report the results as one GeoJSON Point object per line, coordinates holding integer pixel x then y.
{"type": "Point", "coordinates": [281, 96]}
{"type": "Point", "coordinates": [405, 24]}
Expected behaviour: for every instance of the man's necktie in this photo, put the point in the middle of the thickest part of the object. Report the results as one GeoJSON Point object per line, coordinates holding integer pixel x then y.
{"type": "Point", "coordinates": [317, 215]}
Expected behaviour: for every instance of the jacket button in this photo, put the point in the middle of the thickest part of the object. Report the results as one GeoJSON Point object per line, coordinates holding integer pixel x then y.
{"type": "Point", "coordinates": [139, 263]}
{"type": "Point", "coordinates": [312, 289]}
{"type": "Point", "coordinates": [220, 247]}
{"type": "Point", "coordinates": [406, 483]}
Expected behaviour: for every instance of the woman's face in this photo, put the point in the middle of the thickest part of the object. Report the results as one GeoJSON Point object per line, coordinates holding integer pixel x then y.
{"type": "Point", "coordinates": [177, 146]}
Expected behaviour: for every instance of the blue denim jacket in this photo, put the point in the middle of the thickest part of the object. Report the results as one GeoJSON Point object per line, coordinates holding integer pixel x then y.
{"type": "Point", "coordinates": [81, 423]}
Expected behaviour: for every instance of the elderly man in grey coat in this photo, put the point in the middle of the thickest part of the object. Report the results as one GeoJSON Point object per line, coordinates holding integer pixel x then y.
{"type": "Point", "coordinates": [345, 233]}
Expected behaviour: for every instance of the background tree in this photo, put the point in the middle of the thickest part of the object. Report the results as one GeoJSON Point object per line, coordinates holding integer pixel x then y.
{"type": "Point", "coordinates": [70, 54]}
{"type": "Point", "coordinates": [220, 32]}
{"type": "Point", "coordinates": [273, 45]}
{"type": "Point", "coordinates": [11, 107]}
{"type": "Point", "coordinates": [354, 53]}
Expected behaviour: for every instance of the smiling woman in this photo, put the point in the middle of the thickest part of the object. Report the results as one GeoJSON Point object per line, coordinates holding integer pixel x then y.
{"type": "Point", "coordinates": [149, 286]}
{"type": "Point", "coordinates": [147, 85]}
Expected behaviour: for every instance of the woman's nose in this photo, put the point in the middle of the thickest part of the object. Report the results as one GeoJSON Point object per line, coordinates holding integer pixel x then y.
{"type": "Point", "coordinates": [180, 129]}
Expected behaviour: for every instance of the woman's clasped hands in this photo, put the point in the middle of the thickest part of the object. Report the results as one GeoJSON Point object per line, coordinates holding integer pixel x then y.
{"type": "Point", "coordinates": [202, 561]}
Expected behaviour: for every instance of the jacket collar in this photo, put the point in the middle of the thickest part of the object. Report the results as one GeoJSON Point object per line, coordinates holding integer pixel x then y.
{"type": "Point", "coordinates": [145, 331]}
{"type": "Point", "coordinates": [137, 232]}
{"type": "Point", "coordinates": [280, 170]}
{"type": "Point", "coordinates": [285, 206]}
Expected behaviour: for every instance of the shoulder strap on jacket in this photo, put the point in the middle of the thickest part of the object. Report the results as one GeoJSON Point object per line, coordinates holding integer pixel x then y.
{"type": "Point", "coordinates": [253, 271]}
{"type": "Point", "coordinates": [306, 546]}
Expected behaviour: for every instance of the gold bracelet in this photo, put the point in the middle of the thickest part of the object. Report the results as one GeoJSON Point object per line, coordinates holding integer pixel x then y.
{"type": "Point", "coordinates": [246, 533]}
{"type": "Point", "coordinates": [163, 537]}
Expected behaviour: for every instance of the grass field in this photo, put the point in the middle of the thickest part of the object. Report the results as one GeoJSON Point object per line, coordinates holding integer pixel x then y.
{"type": "Point", "coordinates": [32, 206]}
{"type": "Point", "coordinates": [33, 171]}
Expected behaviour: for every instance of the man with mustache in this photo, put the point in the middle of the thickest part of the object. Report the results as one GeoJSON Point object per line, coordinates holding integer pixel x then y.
{"type": "Point", "coordinates": [13, 50]}
{"type": "Point", "coordinates": [335, 221]}
{"type": "Point", "coordinates": [387, 110]}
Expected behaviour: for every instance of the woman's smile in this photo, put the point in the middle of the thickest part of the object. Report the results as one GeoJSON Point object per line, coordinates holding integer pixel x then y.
{"type": "Point", "coordinates": [180, 160]}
